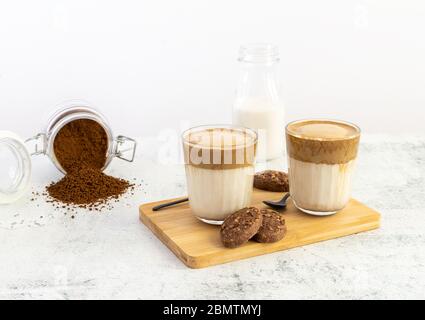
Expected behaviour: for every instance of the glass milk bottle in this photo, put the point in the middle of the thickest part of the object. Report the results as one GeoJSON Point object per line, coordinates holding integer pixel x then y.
{"type": "Point", "coordinates": [258, 104]}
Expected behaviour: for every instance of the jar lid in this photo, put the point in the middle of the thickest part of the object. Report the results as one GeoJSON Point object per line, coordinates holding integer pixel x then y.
{"type": "Point", "coordinates": [15, 167]}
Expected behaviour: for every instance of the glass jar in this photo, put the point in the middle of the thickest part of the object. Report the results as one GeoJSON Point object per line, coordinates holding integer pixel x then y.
{"type": "Point", "coordinates": [120, 147]}
{"type": "Point", "coordinates": [15, 153]}
{"type": "Point", "coordinates": [258, 103]}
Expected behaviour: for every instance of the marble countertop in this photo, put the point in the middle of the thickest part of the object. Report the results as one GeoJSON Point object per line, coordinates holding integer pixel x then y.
{"type": "Point", "coordinates": [111, 255]}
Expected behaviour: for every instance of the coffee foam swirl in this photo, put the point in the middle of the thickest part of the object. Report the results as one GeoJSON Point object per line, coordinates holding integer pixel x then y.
{"type": "Point", "coordinates": [323, 130]}
{"type": "Point", "coordinates": [322, 141]}
{"type": "Point", "coordinates": [219, 147]}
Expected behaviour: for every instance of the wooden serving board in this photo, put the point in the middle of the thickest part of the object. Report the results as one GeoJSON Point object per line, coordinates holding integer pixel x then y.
{"type": "Point", "coordinates": [198, 244]}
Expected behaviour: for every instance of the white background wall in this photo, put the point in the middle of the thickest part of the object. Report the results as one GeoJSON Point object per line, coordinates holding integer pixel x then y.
{"type": "Point", "coordinates": [160, 64]}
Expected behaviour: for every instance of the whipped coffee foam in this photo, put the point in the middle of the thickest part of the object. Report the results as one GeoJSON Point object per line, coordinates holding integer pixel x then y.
{"type": "Point", "coordinates": [322, 141]}
{"type": "Point", "coordinates": [219, 138]}
{"type": "Point", "coordinates": [219, 148]}
{"type": "Point", "coordinates": [323, 130]}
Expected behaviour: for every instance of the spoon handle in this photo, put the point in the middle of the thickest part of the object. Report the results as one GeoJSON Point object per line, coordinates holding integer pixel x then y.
{"type": "Point", "coordinates": [286, 197]}
{"type": "Point", "coordinates": [169, 204]}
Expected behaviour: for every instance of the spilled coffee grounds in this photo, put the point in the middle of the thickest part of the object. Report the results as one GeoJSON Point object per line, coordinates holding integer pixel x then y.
{"type": "Point", "coordinates": [81, 147]}
{"type": "Point", "coordinates": [87, 186]}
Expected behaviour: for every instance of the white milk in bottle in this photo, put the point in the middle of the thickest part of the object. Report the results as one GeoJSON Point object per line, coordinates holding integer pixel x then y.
{"type": "Point", "coordinates": [258, 104]}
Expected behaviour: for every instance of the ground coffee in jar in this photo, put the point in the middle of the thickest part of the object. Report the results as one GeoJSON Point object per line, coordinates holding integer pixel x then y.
{"type": "Point", "coordinates": [81, 142]}
{"type": "Point", "coordinates": [81, 148]}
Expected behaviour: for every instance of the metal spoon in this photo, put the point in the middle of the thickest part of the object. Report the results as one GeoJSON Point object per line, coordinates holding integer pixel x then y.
{"type": "Point", "coordinates": [276, 205]}
{"type": "Point", "coordinates": [279, 204]}
{"type": "Point", "coordinates": [169, 204]}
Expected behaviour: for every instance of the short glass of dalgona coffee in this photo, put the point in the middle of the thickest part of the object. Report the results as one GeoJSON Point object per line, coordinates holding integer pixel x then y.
{"type": "Point", "coordinates": [219, 165]}
{"type": "Point", "coordinates": [321, 157]}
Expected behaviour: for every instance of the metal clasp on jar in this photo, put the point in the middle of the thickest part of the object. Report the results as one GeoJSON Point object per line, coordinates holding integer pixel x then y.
{"type": "Point", "coordinates": [37, 144]}
{"type": "Point", "coordinates": [125, 148]}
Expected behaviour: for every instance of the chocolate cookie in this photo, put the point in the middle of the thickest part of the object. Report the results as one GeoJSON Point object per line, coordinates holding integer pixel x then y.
{"type": "Point", "coordinates": [241, 226]}
{"type": "Point", "coordinates": [273, 228]}
{"type": "Point", "coordinates": [272, 180]}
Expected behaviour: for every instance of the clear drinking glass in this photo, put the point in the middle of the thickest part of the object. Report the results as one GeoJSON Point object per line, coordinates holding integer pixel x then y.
{"type": "Point", "coordinates": [219, 164]}
{"type": "Point", "coordinates": [321, 156]}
